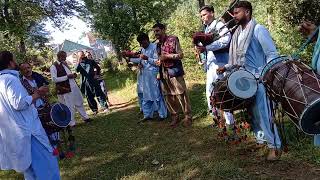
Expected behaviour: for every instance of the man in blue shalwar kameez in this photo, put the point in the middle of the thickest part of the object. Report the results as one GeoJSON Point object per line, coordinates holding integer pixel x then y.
{"type": "Point", "coordinates": [152, 99]}
{"type": "Point", "coordinates": [251, 48]}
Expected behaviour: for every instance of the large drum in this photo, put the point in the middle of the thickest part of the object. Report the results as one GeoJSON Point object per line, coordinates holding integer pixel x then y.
{"type": "Point", "coordinates": [54, 118]}
{"type": "Point", "coordinates": [297, 88]}
{"type": "Point", "coordinates": [234, 91]}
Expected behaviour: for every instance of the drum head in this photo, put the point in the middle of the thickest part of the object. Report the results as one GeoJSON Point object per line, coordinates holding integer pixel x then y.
{"type": "Point", "coordinates": [274, 61]}
{"type": "Point", "coordinates": [310, 119]}
{"type": "Point", "coordinates": [60, 115]}
{"type": "Point", "coordinates": [242, 84]}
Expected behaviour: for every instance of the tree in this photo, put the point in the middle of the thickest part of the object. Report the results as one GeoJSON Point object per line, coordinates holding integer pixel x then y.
{"type": "Point", "coordinates": [201, 3]}
{"type": "Point", "coordinates": [19, 17]}
{"type": "Point", "coordinates": [121, 20]}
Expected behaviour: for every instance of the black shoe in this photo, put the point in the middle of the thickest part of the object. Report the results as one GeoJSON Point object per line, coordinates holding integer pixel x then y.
{"type": "Point", "coordinates": [145, 119]}
{"type": "Point", "coordinates": [161, 119]}
{"type": "Point", "coordinates": [87, 120]}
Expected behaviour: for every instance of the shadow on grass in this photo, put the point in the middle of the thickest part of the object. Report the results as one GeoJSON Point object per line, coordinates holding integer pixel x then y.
{"type": "Point", "coordinates": [117, 80]}
{"type": "Point", "coordinates": [116, 147]}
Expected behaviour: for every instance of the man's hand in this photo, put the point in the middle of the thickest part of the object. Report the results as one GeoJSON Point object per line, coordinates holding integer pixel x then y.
{"type": "Point", "coordinates": [40, 92]}
{"type": "Point", "coordinates": [158, 62]}
{"type": "Point", "coordinates": [201, 49]}
{"type": "Point", "coordinates": [144, 57]}
{"type": "Point", "coordinates": [164, 57]}
{"type": "Point", "coordinates": [72, 76]}
{"type": "Point", "coordinates": [307, 28]}
{"type": "Point", "coordinates": [79, 60]}
{"type": "Point", "coordinates": [140, 66]}
{"type": "Point", "coordinates": [221, 70]}
{"type": "Point", "coordinates": [43, 90]}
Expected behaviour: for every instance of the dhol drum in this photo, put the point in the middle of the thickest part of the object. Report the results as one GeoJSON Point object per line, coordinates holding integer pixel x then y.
{"type": "Point", "coordinates": [54, 117]}
{"type": "Point", "coordinates": [297, 88]}
{"type": "Point", "coordinates": [234, 91]}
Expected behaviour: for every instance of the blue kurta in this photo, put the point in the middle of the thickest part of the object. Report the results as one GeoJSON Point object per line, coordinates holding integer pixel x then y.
{"type": "Point", "coordinates": [316, 62]}
{"type": "Point", "coordinates": [18, 122]}
{"type": "Point", "coordinates": [260, 51]}
{"type": "Point", "coordinates": [149, 83]}
{"type": "Point", "coordinates": [215, 60]}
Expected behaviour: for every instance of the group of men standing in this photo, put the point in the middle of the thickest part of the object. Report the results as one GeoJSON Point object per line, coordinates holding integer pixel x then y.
{"type": "Point", "coordinates": [250, 47]}
{"type": "Point", "coordinates": [161, 85]}
{"type": "Point", "coordinates": [26, 144]}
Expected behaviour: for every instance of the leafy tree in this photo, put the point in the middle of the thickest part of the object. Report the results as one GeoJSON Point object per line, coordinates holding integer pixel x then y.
{"type": "Point", "coordinates": [19, 17]}
{"type": "Point", "coordinates": [121, 20]}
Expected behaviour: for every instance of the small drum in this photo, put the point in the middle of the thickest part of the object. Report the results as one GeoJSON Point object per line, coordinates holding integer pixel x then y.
{"type": "Point", "coordinates": [297, 88]}
{"type": "Point", "coordinates": [55, 117]}
{"type": "Point", "coordinates": [234, 91]}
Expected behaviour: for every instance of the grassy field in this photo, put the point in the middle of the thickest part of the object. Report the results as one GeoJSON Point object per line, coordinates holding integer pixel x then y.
{"type": "Point", "coordinates": [114, 146]}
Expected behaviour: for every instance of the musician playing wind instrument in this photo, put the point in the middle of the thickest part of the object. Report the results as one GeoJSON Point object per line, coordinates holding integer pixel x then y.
{"type": "Point", "coordinates": [252, 47]}
{"type": "Point", "coordinates": [217, 53]}
{"type": "Point", "coordinates": [152, 99]}
{"type": "Point", "coordinates": [171, 72]}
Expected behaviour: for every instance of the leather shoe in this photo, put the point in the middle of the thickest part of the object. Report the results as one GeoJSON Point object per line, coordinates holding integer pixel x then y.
{"type": "Point", "coordinates": [145, 119]}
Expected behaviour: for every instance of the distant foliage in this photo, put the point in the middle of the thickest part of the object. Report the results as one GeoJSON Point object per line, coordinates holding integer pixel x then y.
{"type": "Point", "coordinates": [281, 17]}
{"type": "Point", "coordinates": [121, 20]}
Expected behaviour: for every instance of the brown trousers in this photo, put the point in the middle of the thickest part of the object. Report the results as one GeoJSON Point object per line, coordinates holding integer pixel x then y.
{"type": "Point", "coordinates": [177, 102]}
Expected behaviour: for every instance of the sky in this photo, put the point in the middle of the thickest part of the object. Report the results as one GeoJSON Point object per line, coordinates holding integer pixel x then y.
{"type": "Point", "coordinates": [74, 31]}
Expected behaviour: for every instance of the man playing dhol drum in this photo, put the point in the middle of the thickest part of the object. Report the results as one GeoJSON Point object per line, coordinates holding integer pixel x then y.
{"type": "Point", "coordinates": [217, 54]}
{"type": "Point", "coordinates": [67, 88]}
{"type": "Point", "coordinates": [307, 28]}
{"type": "Point", "coordinates": [251, 48]}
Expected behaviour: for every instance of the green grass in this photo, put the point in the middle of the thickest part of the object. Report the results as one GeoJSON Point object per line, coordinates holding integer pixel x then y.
{"type": "Point", "coordinates": [114, 146]}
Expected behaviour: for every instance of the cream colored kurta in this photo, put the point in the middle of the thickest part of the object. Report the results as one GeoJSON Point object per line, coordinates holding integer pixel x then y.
{"type": "Point", "coordinates": [73, 99]}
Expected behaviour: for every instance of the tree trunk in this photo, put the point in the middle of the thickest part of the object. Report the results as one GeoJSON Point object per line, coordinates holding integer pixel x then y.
{"type": "Point", "coordinates": [269, 17]}
{"type": "Point", "coordinates": [22, 47]}
{"type": "Point", "coordinates": [201, 3]}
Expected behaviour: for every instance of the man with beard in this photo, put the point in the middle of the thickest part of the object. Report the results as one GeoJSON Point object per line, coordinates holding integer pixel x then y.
{"type": "Point", "coordinates": [24, 145]}
{"type": "Point", "coordinates": [251, 48]}
{"type": "Point", "coordinates": [89, 85]}
{"type": "Point", "coordinates": [171, 72]}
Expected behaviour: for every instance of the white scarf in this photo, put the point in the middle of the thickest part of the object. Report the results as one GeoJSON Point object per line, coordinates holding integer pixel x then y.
{"type": "Point", "coordinates": [237, 53]}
